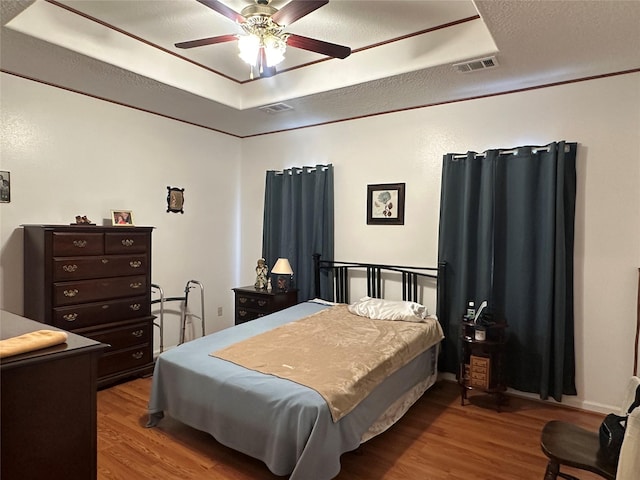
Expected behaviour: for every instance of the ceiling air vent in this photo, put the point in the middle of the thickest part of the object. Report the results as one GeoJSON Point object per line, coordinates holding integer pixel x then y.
{"type": "Point", "coordinates": [276, 108]}
{"type": "Point", "coordinates": [478, 64]}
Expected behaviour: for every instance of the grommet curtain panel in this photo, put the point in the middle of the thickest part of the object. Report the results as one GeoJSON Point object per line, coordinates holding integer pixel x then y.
{"type": "Point", "coordinates": [298, 222]}
{"type": "Point", "coordinates": [507, 235]}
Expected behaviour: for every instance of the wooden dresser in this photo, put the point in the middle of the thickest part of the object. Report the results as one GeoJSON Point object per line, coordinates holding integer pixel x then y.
{"type": "Point", "coordinates": [96, 282]}
{"type": "Point", "coordinates": [252, 302]}
{"type": "Point", "coordinates": [48, 408]}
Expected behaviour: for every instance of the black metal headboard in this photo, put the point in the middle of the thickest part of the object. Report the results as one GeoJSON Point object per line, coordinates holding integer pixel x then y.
{"type": "Point", "coordinates": [340, 273]}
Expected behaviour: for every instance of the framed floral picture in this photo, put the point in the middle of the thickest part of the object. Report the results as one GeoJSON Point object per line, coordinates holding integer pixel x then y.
{"type": "Point", "coordinates": [385, 204]}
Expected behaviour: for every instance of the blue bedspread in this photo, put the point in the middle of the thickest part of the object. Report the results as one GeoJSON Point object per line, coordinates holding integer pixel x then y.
{"type": "Point", "coordinates": [286, 425]}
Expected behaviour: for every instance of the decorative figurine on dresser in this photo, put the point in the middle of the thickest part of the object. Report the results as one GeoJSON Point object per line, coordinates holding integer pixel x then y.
{"type": "Point", "coordinates": [96, 282]}
{"type": "Point", "coordinates": [262, 272]}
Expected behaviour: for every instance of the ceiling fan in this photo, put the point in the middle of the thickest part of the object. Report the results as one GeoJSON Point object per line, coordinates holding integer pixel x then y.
{"type": "Point", "coordinates": [264, 41]}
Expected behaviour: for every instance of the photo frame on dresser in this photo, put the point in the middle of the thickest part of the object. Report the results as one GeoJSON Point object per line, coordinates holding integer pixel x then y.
{"type": "Point", "coordinates": [385, 204]}
{"type": "Point", "coordinates": [121, 218]}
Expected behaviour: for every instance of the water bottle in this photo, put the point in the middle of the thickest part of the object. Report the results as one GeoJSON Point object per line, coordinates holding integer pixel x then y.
{"type": "Point", "coordinates": [471, 312]}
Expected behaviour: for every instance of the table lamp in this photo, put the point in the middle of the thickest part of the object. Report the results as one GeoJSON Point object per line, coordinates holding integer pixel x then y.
{"type": "Point", "coordinates": [282, 269]}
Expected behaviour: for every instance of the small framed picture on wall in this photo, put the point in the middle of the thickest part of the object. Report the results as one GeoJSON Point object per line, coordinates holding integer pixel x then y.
{"type": "Point", "coordinates": [175, 199]}
{"type": "Point", "coordinates": [385, 204]}
{"type": "Point", "coordinates": [5, 186]}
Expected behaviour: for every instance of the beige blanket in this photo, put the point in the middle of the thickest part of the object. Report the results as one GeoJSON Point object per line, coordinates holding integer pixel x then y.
{"type": "Point", "coordinates": [340, 355]}
{"type": "Point", "coordinates": [31, 341]}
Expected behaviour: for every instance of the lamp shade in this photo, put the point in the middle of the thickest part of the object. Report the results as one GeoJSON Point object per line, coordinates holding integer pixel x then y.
{"type": "Point", "coordinates": [282, 267]}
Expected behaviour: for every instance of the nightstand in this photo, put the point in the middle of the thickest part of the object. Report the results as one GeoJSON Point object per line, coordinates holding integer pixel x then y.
{"type": "Point", "coordinates": [252, 302]}
{"type": "Point", "coordinates": [482, 361]}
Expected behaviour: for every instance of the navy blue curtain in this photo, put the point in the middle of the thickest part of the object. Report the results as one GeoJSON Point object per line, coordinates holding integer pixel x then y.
{"type": "Point", "coordinates": [507, 235]}
{"type": "Point", "coordinates": [298, 222]}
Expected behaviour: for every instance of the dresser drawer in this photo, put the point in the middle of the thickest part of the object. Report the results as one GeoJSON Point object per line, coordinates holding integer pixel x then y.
{"type": "Point", "coordinates": [91, 314]}
{"type": "Point", "coordinates": [244, 315]}
{"type": "Point", "coordinates": [124, 337]}
{"type": "Point", "coordinates": [82, 291]}
{"type": "Point", "coordinates": [259, 303]}
{"type": "Point", "coordinates": [127, 359]}
{"type": "Point", "coordinates": [77, 268]}
{"type": "Point", "coordinates": [74, 244]}
{"type": "Point", "coordinates": [125, 242]}
{"type": "Point", "coordinates": [480, 373]}
{"type": "Point", "coordinates": [252, 303]}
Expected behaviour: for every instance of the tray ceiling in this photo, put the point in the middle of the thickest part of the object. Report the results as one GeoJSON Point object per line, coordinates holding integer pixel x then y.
{"type": "Point", "coordinates": [403, 55]}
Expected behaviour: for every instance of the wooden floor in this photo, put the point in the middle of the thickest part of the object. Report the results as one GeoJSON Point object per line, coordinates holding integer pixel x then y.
{"type": "Point", "coordinates": [437, 439]}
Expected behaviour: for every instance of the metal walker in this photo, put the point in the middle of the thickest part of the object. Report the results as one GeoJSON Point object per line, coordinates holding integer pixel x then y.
{"type": "Point", "coordinates": [183, 316]}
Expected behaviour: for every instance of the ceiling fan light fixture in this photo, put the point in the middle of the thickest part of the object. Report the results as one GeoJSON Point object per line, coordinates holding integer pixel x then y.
{"type": "Point", "coordinates": [263, 42]}
{"type": "Point", "coordinates": [263, 39]}
{"type": "Point", "coordinates": [249, 49]}
{"type": "Point", "coordinates": [274, 48]}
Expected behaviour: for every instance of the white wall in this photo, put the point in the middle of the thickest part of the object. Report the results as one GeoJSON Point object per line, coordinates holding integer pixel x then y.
{"type": "Point", "coordinates": [70, 154]}
{"type": "Point", "coordinates": [603, 116]}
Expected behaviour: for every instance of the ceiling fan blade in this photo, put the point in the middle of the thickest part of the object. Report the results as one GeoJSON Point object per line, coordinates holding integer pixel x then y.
{"type": "Point", "coordinates": [318, 46]}
{"type": "Point", "coordinates": [206, 41]}
{"type": "Point", "coordinates": [295, 10]}
{"type": "Point", "coordinates": [223, 10]}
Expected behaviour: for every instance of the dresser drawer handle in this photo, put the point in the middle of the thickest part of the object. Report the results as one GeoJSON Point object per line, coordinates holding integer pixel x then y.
{"type": "Point", "coordinates": [104, 307]}
{"type": "Point", "coordinates": [70, 317]}
{"type": "Point", "coordinates": [80, 243]}
{"type": "Point", "coordinates": [242, 313]}
{"type": "Point", "coordinates": [105, 261]}
{"type": "Point", "coordinates": [135, 307]}
{"type": "Point", "coordinates": [137, 355]}
{"type": "Point", "coordinates": [262, 303]}
{"type": "Point", "coordinates": [71, 293]}
{"type": "Point", "coordinates": [137, 333]}
{"type": "Point", "coordinates": [70, 268]}
{"type": "Point", "coordinates": [135, 284]}
{"type": "Point", "coordinates": [243, 300]}
{"type": "Point", "coordinates": [127, 242]}
{"type": "Point", "coordinates": [135, 264]}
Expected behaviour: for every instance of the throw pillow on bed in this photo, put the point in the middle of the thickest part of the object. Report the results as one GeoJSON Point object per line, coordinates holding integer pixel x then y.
{"type": "Point", "coordinates": [381, 309]}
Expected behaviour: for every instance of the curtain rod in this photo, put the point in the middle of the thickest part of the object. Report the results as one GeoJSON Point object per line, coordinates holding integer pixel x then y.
{"type": "Point", "coordinates": [299, 170]}
{"type": "Point", "coordinates": [512, 151]}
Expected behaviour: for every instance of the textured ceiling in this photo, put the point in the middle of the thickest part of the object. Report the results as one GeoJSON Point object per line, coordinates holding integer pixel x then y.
{"type": "Point", "coordinates": [123, 51]}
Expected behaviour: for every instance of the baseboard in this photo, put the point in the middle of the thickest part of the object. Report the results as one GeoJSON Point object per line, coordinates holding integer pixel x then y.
{"type": "Point", "coordinates": [567, 400]}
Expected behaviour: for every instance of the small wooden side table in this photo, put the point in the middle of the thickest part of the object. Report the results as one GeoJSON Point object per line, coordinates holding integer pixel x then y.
{"type": "Point", "coordinates": [482, 361]}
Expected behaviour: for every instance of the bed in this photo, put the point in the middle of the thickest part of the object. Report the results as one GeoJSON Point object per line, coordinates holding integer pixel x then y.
{"type": "Point", "coordinates": [294, 429]}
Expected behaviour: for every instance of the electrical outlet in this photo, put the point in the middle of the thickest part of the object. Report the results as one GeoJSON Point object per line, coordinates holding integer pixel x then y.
{"type": "Point", "coordinates": [219, 311]}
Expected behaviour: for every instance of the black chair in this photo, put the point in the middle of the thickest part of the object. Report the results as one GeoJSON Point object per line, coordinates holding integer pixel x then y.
{"type": "Point", "coordinates": [568, 444]}
{"type": "Point", "coordinates": [573, 446]}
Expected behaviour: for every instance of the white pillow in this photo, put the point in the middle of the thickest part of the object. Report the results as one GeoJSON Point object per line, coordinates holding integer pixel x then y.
{"type": "Point", "coordinates": [322, 301]}
{"type": "Point", "coordinates": [380, 309]}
